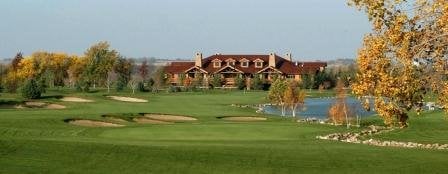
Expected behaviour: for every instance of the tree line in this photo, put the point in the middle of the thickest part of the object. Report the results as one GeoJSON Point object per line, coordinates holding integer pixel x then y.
{"type": "Point", "coordinates": [100, 66]}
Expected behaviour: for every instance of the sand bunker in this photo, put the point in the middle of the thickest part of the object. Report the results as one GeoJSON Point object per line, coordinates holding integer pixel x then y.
{"type": "Point", "coordinates": [150, 121]}
{"type": "Point", "coordinates": [75, 99]}
{"type": "Point", "coordinates": [92, 123]}
{"type": "Point", "coordinates": [243, 118]}
{"type": "Point", "coordinates": [115, 119]}
{"type": "Point", "coordinates": [172, 118]}
{"type": "Point", "coordinates": [35, 104]}
{"type": "Point", "coordinates": [55, 106]}
{"type": "Point", "coordinates": [128, 99]}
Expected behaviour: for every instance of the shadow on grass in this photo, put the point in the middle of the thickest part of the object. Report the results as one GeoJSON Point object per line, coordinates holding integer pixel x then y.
{"type": "Point", "coordinates": [10, 102]}
{"type": "Point", "coordinates": [52, 97]}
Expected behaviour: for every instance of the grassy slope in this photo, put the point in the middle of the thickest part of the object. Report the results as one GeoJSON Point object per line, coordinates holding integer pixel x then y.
{"type": "Point", "coordinates": [37, 141]}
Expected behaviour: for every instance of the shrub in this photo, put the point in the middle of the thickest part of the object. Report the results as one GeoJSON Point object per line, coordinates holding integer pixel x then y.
{"type": "Point", "coordinates": [240, 83]}
{"type": "Point", "coordinates": [141, 87]}
{"type": "Point", "coordinates": [31, 90]}
{"type": "Point", "coordinates": [78, 87]}
{"type": "Point", "coordinates": [173, 89]}
{"type": "Point", "coordinates": [216, 81]}
{"type": "Point", "coordinates": [121, 84]}
{"type": "Point", "coordinates": [257, 83]}
{"type": "Point", "coordinates": [41, 85]}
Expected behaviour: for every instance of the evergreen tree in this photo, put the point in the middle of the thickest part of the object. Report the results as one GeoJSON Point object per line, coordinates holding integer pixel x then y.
{"type": "Point", "coordinates": [31, 90]}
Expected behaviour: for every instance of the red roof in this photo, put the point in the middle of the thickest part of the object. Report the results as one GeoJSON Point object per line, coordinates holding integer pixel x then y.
{"type": "Point", "coordinates": [283, 65]}
{"type": "Point", "coordinates": [178, 67]}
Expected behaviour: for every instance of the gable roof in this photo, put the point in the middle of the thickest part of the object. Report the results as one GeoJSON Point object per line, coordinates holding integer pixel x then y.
{"type": "Point", "coordinates": [196, 67]}
{"type": "Point", "coordinates": [231, 67]}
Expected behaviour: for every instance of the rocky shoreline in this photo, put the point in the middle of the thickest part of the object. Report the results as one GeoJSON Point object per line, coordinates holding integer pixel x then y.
{"type": "Point", "coordinates": [357, 138]}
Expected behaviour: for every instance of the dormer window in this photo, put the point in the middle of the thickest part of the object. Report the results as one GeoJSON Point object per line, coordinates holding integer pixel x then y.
{"type": "Point", "coordinates": [258, 63]}
{"type": "Point", "coordinates": [216, 63]}
{"type": "Point", "coordinates": [244, 63]}
{"type": "Point", "coordinates": [230, 62]}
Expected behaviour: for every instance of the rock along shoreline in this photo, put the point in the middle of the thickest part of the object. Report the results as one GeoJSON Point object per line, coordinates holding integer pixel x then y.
{"type": "Point", "coordinates": [357, 138]}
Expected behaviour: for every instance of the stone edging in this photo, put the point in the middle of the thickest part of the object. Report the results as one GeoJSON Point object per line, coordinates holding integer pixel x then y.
{"type": "Point", "coordinates": [355, 138]}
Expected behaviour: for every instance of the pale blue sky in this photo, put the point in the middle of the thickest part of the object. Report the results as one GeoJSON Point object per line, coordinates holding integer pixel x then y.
{"type": "Point", "coordinates": [310, 29]}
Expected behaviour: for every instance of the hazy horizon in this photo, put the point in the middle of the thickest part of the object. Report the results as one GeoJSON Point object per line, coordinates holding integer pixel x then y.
{"type": "Point", "coordinates": [311, 30]}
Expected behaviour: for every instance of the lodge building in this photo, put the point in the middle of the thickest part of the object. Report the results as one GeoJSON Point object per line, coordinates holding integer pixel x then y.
{"type": "Point", "coordinates": [228, 67]}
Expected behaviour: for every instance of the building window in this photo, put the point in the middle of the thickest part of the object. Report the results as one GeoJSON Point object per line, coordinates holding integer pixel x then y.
{"type": "Point", "coordinates": [232, 63]}
{"type": "Point", "coordinates": [216, 64]}
{"type": "Point", "coordinates": [258, 64]}
{"type": "Point", "coordinates": [245, 64]}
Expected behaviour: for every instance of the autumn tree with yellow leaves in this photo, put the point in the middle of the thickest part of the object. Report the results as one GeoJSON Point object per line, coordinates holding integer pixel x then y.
{"type": "Point", "coordinates": [404, 57]}
{"type": "Point", "coordinates": [340, 112]}
{"type": "Point", "coordinates": [294, 96]}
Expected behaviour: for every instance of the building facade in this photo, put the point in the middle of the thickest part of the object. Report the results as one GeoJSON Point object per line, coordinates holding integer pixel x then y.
{"type": "Point", "coordinates": [229, 67]}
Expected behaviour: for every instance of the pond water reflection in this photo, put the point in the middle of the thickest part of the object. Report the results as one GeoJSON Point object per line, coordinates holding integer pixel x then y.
{"type": "Point", "coordinates": [318, 108]}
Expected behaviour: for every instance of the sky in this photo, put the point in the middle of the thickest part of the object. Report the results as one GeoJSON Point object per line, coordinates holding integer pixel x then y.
{"type": "Point", "coordinates": [309, 29]}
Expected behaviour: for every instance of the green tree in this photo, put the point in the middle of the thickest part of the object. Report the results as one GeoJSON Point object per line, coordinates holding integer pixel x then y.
{"type": "Point", "coordinates": [123, 70]}
{"type": "Point", "coordinates": [3, 72]}
{"type": "Point", "coordinates": [323, 78]}
{"type": "Point", "coordinates": [160, 79]}
{"type": "Point", "coordinates": [257, 83]}
{"type": "Point", "coordinates": [31, 90]}
{"type": "Point", "coordinates": [100, 61]}
{"type": "Point", "coordinates": [240, 82]}
{"type": "Point", "coordinates": [216, 81]}
{"type": "Point", "coordinates": [307, 81]}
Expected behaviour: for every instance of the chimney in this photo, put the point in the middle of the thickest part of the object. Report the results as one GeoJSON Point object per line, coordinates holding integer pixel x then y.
{"type": "Point", "coordinates": [272, 60]}
{"type": "Point", "coordinates": [289, 57]}
{"type": "Point", "coordinates": [198, 60]}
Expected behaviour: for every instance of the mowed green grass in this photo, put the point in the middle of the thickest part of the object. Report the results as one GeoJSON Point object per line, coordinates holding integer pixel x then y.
{"type": "Point", "coordinates": [38, 141]}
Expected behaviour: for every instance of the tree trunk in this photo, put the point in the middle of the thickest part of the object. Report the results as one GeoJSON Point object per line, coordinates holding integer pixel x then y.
{"type": "Point", "coordinates": [346, 117]}
{"type": "Point", "coordinates": [283, 109]}
{"type": "Point", "coordinates": [293, 108]}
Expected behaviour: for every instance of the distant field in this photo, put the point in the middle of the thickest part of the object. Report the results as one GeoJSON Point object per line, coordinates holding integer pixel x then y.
{"type": "Point", "coordinates": [39, 141]}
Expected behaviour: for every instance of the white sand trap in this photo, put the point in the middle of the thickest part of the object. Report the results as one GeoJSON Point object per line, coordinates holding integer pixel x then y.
{"type": "Point", "coordinates": [19, 107]}
{"type": "Point", "coordinates": [75, 99]}
{"type": "Point", "coordinates": [91, 123]}
{"type": "Point", "coordinates": [55, 106]}
{"type": "Point", "coordinates": [173, 118]}
{"type": "Point", "coordinates": [244, 118]}
{"type": "Point", "coordinates": [114, 119]}
{"type": "Point", "coordinates": [128, 99]}
{"type": "Point", "coordinates": [35, 104]}
{"type": "Point", "coordinates": [150, 121]}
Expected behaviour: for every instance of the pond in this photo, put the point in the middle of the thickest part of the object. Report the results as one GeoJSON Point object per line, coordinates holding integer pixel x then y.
{"type": "Point", "coordinates": [318, 108]}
